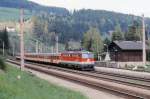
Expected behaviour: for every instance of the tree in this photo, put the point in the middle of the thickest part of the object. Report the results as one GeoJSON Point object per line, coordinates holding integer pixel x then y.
{"type": "Point", "coordinates": [92, 41]}
{"type": "Point", "coordinates": [106, 41]}
{"type": "Point", "coordinates": [46, 31]}
{"type": "Point", "coordinates": [4, 38]}
{"type": "Point", "coordinates": [117, 34]}
{"type": "Point", "coordinates": [38, 27]}
{"type": "Point", "coordinates": [67, 46]}
{"type": "Point", "coordinates": [134, 32]}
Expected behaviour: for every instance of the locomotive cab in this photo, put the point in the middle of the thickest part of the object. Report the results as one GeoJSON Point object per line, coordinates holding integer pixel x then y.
{"type": "Point", "coordinates": [78, 60]}
{"type": "Point", "coordinates": [88, 60]}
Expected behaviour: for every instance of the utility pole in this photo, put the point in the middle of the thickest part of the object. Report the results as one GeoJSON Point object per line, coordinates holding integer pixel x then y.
{"type": "Point", "coordinates": [21, 40]}
{"type": "Point", "coordinates": [13, 49]}
{"type": "Point", "coordinates": [144, 46]}
{"type": "Point", "coordinates": [37, 46]}
{"type": "Point", "coordinates": [52, 49]}
{"type": "Point", "coordinates": [57, 44]}
{"type": "Point", "coordinates": [40, 47]}
{"type": "Point", "coordinates": [3, 48]}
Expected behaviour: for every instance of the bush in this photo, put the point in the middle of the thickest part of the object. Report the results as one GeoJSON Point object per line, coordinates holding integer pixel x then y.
{"type": "Point", "coordinates": [2, 64]}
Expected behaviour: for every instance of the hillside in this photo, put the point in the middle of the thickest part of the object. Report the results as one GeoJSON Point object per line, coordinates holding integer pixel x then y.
{"type": "Point", "coordinates": [32, 6]}
{"type": "Point", "coordinates": [73, 26]}
{"type": "Point", "coordinates": [44, 21]}
{"type": "Point", "coordinates": [12, 14]}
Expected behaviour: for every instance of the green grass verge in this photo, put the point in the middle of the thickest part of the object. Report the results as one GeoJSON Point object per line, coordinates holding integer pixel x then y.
{"type": "Point", "coordinates": [2, 64]}
{"type": "Point", "coordinates": [147, 69]}
{"type": "Point", "coordinates": [31, 87]}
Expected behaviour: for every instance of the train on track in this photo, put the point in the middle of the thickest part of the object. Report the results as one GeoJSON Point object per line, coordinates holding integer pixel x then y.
{"type": "Point", "coordinates": [80, 60]}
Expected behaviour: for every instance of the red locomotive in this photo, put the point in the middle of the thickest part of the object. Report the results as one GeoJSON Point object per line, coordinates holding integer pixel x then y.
{"type": "Point", "coordinates": [81, 60]}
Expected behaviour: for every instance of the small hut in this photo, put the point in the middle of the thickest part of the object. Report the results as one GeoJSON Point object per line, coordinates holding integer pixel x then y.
{"type": "Point", "coordinates": [126, 51]}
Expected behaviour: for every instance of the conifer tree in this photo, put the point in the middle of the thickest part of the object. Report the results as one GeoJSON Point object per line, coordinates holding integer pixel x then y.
{"type": "Point", "coordinates": [134, 32]}
{"type": "Point", "coordinates": [92, 41]}
{"type": "Point", "coordinates": [117, 34]}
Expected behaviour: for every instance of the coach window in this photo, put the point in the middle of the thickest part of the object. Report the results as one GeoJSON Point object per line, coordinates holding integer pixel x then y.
{"type": "Point", "coordinates": [80, 55]}
{"type": "Point", "coordinates": [71, 55]}
{"type": "Point", "coordinates": [76, 55]}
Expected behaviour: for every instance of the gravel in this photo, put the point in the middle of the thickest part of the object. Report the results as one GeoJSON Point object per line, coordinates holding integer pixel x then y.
{"type": "Point", "coordinates": [89, 92]}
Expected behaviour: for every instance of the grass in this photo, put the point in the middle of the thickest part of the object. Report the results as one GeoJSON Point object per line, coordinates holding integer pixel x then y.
{"type": "Point", "coordinates": [2, 64]}
{"type": "Point", "coordinates": [147, 69]}
{"type": "Point", "coordinates": [31, 87]}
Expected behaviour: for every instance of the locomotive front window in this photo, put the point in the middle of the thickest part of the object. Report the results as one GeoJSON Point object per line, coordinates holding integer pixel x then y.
{"type": "Point", "coordinates": [87, 55]}
{"type": "Point", "coordinates": [91, 55]}
{"type": "Point", "coordinates": [84, 55]}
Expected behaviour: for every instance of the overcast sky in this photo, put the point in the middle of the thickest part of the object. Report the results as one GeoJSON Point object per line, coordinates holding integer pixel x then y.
{"type": "Point", "coordinates": [136, 7]}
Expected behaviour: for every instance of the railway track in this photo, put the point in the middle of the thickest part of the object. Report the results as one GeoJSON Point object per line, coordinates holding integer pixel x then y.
{"type": "Point", "coordinates": [137, 82]}
{"type": "Point", "coordinates": [122, 79]}
{"type": "Point", "coordinates": [138, 88]}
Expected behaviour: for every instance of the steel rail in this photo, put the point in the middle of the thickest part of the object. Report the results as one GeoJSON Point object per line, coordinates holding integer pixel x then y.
{"type": "Point", "coordinates": [130, 90]}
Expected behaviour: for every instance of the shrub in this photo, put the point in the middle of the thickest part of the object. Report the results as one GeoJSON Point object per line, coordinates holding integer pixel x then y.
{"type": "Point", "coordinates": [2, 64]}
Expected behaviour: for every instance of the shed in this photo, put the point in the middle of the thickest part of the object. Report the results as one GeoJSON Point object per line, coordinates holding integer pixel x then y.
{"type": "Point", "coordinates": [127, 51]}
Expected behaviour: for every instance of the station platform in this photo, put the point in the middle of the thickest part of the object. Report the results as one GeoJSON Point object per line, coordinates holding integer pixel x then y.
{"type": "Point", "coordinates": [136, 74]}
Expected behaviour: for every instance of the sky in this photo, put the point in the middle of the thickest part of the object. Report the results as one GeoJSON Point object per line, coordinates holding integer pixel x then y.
{"type": "Point", "coordinates": [136, 7]}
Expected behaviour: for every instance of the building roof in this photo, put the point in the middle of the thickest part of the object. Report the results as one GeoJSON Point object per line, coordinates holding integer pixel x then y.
{"type": "Point", "coordinates": [130, 45]}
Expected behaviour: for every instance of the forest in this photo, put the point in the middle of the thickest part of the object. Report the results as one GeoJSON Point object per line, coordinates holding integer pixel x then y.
{"type": "Point", "coordinates": [75, 27]}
